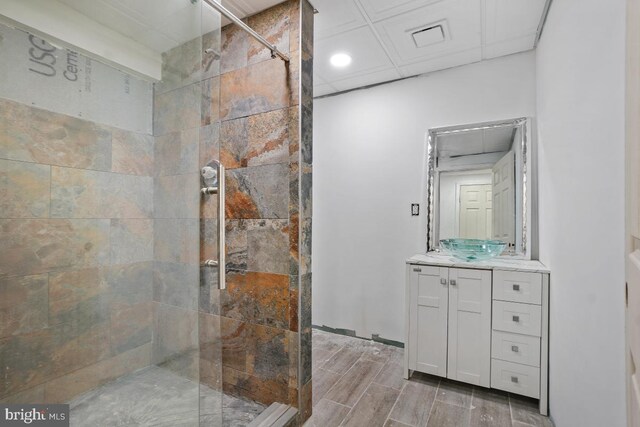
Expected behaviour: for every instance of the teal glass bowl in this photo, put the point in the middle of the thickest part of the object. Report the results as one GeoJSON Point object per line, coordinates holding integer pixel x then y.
{"type": "Point", "coordinates": [473, 249]}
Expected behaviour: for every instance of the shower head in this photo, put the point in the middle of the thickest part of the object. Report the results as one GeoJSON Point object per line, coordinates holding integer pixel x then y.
{"type": "Point", "coordinates": [214, 53]}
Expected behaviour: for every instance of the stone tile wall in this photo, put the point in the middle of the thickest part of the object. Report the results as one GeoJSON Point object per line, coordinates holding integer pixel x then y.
{"type": "Point", "coordinates": [305, 156]}
{"type": "Point", "coordinates": [257, 347]}
{"type": "Point", "coordinates": [257, 121]}
{"type": "Point", "coordinates": [76, 253]}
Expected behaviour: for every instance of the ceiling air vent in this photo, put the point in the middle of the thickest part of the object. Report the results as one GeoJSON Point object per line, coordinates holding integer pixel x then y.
{"type": "Point", "coordinates": [428, 36]}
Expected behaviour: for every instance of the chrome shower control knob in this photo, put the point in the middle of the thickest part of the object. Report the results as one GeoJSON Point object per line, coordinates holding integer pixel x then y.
{"type": "Point", "coordinates": [208, 172]}
{"type": "Point", "coordinates": [210, 175]}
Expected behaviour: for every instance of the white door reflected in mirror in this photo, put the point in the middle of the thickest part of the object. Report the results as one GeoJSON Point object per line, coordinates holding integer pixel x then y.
{"type": "Point", "coordinates": [504, 199]}
{"type": "Point", "coordinates": [476, 212]}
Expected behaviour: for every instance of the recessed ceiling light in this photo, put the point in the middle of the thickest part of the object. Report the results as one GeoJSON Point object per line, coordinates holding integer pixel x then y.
{"type": "Point", "coordinates": [340, 60]}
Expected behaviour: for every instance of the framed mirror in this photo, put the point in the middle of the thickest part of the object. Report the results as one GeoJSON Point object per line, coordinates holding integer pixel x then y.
{"type": "Point", "coordinates": [479, 184]}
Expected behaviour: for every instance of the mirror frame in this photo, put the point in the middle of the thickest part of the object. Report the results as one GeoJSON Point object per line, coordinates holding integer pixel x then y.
{"type": "Point", "coordinates": [525, 180]}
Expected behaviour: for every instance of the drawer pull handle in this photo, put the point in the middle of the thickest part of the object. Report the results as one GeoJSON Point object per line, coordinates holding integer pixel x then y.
{"type": "Point", "coordinates": [443, 281]}
{"type": "Point", "coordinates": [516, 319]}
{"type": "Point", "coordinates": [514, 380]}
{"type": "Point", "coordinates": [453, 282]}
{"type": "Point", "coordinates": [515, 348]}
{"type": "Point", "coordinates": [417, 270]}
{"type": "Point", "coordinates": [516, 287]}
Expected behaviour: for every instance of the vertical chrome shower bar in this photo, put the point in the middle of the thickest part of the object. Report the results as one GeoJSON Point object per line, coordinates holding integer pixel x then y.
{"type": "Point", "coordinates": [209, 172]}
{"type": "Point", "coordinates": [222, 264]}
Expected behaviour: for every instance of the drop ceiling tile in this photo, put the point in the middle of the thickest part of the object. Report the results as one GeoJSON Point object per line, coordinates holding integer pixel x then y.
{"type": "Point", "coordinates": [336, 16]}
{"type": "Point", "coordinates": [461, 20]}
{"type": "Point", "coordinates": [443, 62]}
{"type": "Point", "coordinates": [380, 9]}
{"type": "Point", "coordinates": [508, 19]}
{"type": "Point", "coordinates": [508, 47]}
{"type": "Point", "coordinates": [363, 47]}
{"type": "Point", "coordinates": [366, 79]}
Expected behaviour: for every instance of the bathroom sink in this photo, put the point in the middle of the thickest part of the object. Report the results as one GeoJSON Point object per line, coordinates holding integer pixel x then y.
{"type": "Point", "coordinates": [473, 249]}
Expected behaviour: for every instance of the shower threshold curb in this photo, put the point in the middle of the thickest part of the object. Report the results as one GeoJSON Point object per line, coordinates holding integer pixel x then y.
{"type": "Point", "coordinates": [276, 415]}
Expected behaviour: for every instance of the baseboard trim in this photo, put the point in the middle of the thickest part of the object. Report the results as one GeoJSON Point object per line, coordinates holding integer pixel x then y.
{"type": "Point", "coordinates": [352, 333]}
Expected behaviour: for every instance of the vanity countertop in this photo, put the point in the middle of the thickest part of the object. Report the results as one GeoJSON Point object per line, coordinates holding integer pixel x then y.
{"type": "Point", "coordinates": [531, 266]}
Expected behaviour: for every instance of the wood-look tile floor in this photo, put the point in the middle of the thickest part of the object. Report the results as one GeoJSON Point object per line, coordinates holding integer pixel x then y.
{"type": "Point", "coordinates": [359, 383]}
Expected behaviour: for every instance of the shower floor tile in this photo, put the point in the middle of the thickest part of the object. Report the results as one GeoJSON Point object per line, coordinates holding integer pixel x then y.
{"type": "Point", "coordinates": [156, 397]}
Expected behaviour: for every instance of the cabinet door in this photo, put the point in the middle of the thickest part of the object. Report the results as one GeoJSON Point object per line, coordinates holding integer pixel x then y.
{"type": "Point", "coordinates": [469, 358]}
{"type": "Point", "coordinates": [428, 320]}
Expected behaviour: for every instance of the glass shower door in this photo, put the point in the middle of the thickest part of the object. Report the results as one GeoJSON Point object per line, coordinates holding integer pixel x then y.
{"type": "Point", "coordinates": [104, 304]}
{"type": "Point", "coordinates": [211, 189]}
{"type": "Point", "coordinates": [187, 205]}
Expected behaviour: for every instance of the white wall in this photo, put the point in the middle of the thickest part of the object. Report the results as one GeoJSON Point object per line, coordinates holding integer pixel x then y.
{"type": "Point", "coordinates": [580, 68]}
{"type": "Point", "coordinates": [369, 155]}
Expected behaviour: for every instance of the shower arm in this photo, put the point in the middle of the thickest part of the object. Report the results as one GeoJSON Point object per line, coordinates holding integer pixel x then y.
{"type": "Point", "coordinates": [224, 11]}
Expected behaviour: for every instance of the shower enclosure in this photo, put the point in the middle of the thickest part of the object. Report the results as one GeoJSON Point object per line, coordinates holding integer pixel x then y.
{"type": "Point", "coordinates": [155, 211]}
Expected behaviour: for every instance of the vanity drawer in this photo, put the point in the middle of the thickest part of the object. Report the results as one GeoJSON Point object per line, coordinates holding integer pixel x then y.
{"type": "Point", "coordinates": [517, 318]}
{"type": "Point", "coordinates": [523, 349]}
{"type": "Point", "coordinates": [516, 286]}
{"type": "Point", "coordinates": [515, 378]}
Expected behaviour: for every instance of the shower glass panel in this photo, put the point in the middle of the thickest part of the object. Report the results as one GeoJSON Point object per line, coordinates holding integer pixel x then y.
{"type": "Point", "coordinates": [188, 348]}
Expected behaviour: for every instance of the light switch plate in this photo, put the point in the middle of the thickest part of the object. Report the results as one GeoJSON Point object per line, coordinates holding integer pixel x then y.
{"type": "Point", "coordinates": [415, 209]}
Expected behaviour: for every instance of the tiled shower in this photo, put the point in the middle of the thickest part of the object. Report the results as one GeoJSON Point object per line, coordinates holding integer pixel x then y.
{"type": "Point", "coordinates": [104, 228]}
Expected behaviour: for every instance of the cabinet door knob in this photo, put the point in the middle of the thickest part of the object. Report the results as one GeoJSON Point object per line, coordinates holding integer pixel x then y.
{"type": "Point", "coordinates": [417, 270]}
{"type": "Point", "coordinates": [516, 318]}
{"type": "Point", "coordinates": [514, 380]}
{"type": "Point", "coordinates": [516, 287]}
{"type": "Point", "coordinates": [452, 282]}
{"type": "Point", "coordinates": [515, 348]}
{"type": "Point", "coordinates": [443, 281]}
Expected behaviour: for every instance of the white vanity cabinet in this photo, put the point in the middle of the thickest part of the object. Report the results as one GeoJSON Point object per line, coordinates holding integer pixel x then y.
{"type": "Point", "coordinates": [484, 324]}
{"type": "Point", "coordinates": [450, 322]}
